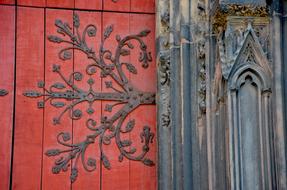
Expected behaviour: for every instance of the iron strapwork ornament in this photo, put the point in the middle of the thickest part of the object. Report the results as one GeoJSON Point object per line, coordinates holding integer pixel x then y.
{"type": "Point", "coordinates": [66, 95]}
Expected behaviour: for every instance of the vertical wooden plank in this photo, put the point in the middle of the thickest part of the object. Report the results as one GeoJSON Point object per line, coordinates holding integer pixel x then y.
{"type": "Point", "coordinates": [88, 4]}
{"type": "Point", "coordinates": [28, 119]}
{"type": "Point", "coordinates": [7, 59]}
{"type": "Point", "coordinates": [88, 180]}
{"type": "Point", "coordinates": [36, 3]}
{"type": "Point", "coordinates": [7, 2]}
{"type": "Point", "coordinates": [117, 5]}
{"type": "Point", "coordinates": [118, 176]}
{"type": "Point", "coordinates": [59, 181]}
{"type": "Point", "coordinates": [143, 6]}
{"type": "Point", "coordinates": [141, 176]}
{"type": "Point", "coordinates": [60, 3]}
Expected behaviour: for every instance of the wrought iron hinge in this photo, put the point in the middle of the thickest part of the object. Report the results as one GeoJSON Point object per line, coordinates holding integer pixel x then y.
{"type": "Point", "coordinates": [67, 94]}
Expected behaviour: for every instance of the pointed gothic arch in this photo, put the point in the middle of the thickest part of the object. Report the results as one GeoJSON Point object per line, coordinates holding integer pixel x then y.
{"type": "Point", "coordinates": [249, 122]}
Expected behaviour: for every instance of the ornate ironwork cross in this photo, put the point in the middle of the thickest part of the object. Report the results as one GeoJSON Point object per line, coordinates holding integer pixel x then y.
{"type": "Point", "coordinates": [66, 95]}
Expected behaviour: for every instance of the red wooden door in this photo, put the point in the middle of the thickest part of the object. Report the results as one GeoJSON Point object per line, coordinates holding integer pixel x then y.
{"type": "Point", "coordinates": [77, 95]}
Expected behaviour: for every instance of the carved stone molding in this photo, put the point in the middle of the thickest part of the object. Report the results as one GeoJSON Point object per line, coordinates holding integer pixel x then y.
{"type": "Point", "coordinates": [164, 67]}
{"type": "Point", "coordinates": [219, 19]}
{"type": "Point", "coordinates": [164, 76]}
{"type": "Point", "coordinates": [201, 76]}
{"type": "Point", "coordinates": [200, 35]}
{"type": "Point", "coordinates": [164, 64]}
{"type": "Point", "coordinates": [164, 81]}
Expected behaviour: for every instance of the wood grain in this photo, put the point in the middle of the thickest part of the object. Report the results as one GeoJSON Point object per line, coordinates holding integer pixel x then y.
{"type": "Point", "coordinates": [29, 119]}
{"type": "Point", "coordinates": [88, 4]}
{"type": "Point", "coordinates": [60, 3]}
{"type": "Point", "coordinates": [7, 2]}
{"type": "Point", "coordinates": [119, 5]}
{"type": "Point", "coordinates": [88, 180]}
{"type": "Point", "coordinates": [7, 63]}
{"type": "Point", "coordinates": [144, 177]}
{"type": "Point", "coordinates": [143, 6]}
{"type": "Point", "coordinates": [118, 176]}
{"type": "Point", "coordinates": [36, 3]}
{"type": "Point", "coordinates": [35, 132]}
{"type": "Point", "coordinates": [59, 181]}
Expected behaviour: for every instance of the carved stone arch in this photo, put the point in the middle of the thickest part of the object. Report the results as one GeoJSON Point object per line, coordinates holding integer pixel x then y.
{"type": "Point", "coordinates": [249, 78]}
{"type": "Point", "coordinates": [249, 127]}
{"type": "Point", "coordinates": [251, 69]}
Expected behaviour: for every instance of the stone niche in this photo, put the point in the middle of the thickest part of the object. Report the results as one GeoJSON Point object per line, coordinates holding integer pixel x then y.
{"type": "Point", "coordinates": [246, 69]}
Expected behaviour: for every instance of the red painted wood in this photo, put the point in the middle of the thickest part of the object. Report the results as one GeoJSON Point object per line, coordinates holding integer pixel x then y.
{"type": "Point", "coordinates": [34, 129]}
{"type": "Point", "coordinates": [7, 57]}
{"type": "Point", "coordinates": [59, 181]}
{"type": "Point", "coordinates": [146, 6]}
{"type": "Point", "coordinates": [119, 5]}
{"type": "Point", "coordinates": [88, 180]}
{"type": "Point", "coordinates": [28, 119]}
{"type": "Point", "coordinates": [60, 3]}
{"type": "Point", "coordinates": [143, 177]}
{"type": "Point", "coordinates": [7, 2]}
{"type": "Point", "coordinates": [36, 3]}
{"type": "Point", "coordinates": [88, 4]}
{"type": "Point", "coordinates": [118, 176]}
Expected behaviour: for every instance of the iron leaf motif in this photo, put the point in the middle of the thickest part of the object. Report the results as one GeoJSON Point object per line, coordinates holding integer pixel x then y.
{"type": "Point", "coordinates": [67, 95]}
{"type": "Point", "coordinates": [3, 92]}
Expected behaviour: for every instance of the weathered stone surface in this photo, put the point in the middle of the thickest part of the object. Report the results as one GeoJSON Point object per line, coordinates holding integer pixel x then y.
{"type": "Point", "coordinates": [222, 109]}
{"type": "Point", "coordinates": [255, 2]}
